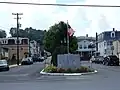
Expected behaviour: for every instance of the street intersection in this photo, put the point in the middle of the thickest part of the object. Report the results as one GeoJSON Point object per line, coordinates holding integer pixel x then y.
{"type": "Point", "coordinates": [29, 78]}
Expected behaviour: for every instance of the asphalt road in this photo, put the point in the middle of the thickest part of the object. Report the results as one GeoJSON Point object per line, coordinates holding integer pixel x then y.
{"type": "Point", "coordinates": [24, 72]}
{"type": "Point", "coordinates": [107, 78]}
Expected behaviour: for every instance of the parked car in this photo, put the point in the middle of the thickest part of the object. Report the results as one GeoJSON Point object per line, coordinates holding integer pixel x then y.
{"type": "Point", "coordinates": [111, 60]}
{"type": "Point", "coordinates": [35, 58]}
{"type": "Point", "coordinates": [4, 65]}
{"type": "Point", "coordinates": [31, 60]}
{"type": "Point", "coordinates": [41, 59]}
{"type": "Point", "coordinates": [98, 60]}
{"type": "Point", "coordinates": [45, 57]}
{"type": "Point", "coordinates": [26, 61]}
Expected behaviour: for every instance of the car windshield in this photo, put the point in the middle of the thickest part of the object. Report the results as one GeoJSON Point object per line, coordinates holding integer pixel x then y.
{"type": "Point", "coordinates": [3, 62]}
{"type": "Point", "coordinates": [24, 59]}
{"type": "Point", "coordinates": [113, 57]}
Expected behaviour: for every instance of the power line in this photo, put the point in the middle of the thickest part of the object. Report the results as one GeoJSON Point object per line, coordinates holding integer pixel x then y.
{"type": "Point", "coordinates": [78, 5]}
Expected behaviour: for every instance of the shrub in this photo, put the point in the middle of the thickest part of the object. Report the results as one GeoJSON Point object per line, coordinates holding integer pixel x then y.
{"type": "Point", "coordinates": [69, 70]}
{"type": "Point", "coordinates": [53, 69]}
{"type": "Point", "coordinates": [83, 69]}
{"type": "Point", "coordinates": [50, 69]}
{"type": "Point", "coordinates": [77, 70]}
{"type": "Point", "coordinates": [61, 70]}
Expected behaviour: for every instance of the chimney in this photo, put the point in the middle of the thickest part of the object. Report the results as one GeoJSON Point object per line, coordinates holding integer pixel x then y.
{"type": "Point", "coordinates": [113, 29]}
{"type": "Point", "coordinates": [86, 35]}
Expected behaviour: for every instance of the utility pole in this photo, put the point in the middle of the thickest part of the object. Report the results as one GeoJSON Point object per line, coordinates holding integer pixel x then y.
{"type": "Point", "coordinates": [67, 39]}
{"type": "Point", "coordinates": [17, 14]}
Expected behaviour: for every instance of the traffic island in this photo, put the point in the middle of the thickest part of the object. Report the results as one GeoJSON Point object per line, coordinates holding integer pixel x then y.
{"type": "Point", "coordinates": [52, 70]}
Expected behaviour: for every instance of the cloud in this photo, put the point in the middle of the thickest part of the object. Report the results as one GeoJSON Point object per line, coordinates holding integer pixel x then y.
{"type": "Point", "coordinates": [84, 20]}
{"type": "Point", "coordinates": [103, 18]}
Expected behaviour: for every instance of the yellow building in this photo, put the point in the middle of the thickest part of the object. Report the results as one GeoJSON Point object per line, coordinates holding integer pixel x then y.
{"type": "Point", "coordinates": [11, 45]}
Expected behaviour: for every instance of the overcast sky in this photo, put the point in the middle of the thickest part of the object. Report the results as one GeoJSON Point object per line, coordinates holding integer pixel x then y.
{"type": "Point", "coordinates": [83, 20]}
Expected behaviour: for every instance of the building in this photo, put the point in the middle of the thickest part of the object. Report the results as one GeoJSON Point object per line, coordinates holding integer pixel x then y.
{"type": "Point", "coordinates": [11, 45]}
{"type": "Point", "coordinates": [116, 45]}
{"type": "Point", "coordinates": [105, 41]}
{"type": "Point", "coordinates": [33, 48]}
{"type": "Point", "coordinates": [3, 53]}
{"type": "Point", "coordinates": [83, 49]}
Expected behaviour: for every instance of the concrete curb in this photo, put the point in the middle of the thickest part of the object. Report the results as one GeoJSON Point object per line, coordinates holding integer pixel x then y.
{"type": "Point", "coordinates": [66, 74]}
{"type": "Point", "coordinates": [14, 65]}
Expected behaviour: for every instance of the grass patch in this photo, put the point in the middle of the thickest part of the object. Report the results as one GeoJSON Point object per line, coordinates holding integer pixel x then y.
{"type": "Point", "coordinates": [53, 69]}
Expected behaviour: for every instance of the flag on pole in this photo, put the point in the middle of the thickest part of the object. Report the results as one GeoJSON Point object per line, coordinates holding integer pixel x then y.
{"type": "Point", "coordinates": [70, 31]}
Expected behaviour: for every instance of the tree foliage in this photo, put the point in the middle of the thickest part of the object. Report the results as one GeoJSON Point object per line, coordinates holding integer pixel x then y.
{"type": "Point", "coordinates": [2, 34]}
{"type": "Point", "coordinates": [57, 36]}
{"type": "Point", "coordinates": [30, 33]}
{"type": "Point", "coordinates": [55, 40]}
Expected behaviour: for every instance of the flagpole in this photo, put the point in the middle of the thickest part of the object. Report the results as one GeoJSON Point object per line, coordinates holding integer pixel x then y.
{"type": "Point", "coordinates": [67, 39]}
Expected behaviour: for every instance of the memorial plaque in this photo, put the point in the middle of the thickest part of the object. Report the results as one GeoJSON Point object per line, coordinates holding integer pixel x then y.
{"type": "Point", "coordinates": [68, 61]}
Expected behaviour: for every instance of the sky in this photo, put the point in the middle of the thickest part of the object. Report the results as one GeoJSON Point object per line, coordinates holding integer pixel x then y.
{"type": "Point", "coordinates": [84, 20]}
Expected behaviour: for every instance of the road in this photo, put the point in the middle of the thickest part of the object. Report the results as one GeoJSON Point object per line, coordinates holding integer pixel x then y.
{"type": "Point", "coordinates": [28, 78]}
{"type": "Point", "coordinates": [21, 73]}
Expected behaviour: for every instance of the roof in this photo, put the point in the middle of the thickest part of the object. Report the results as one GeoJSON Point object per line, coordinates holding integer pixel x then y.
{"type": "Point", "coordinates": [86, 38]}
{"type": "Point", "coordinates": [107, 31]}
{"type": "Point", "coordinates": [12, 38]}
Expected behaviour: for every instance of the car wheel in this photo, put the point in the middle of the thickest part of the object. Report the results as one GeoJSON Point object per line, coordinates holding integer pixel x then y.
{"type": "Point", "coordinates": [107, 64]}
{"type": "Point", "coordinates": [8, 69]}
{"type": "Point", "coordinates": [117, 64]}
{"type": "Point", "coordinates": [103, 63]}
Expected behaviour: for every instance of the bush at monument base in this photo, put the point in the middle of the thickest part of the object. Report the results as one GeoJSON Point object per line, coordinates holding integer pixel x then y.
{"type": "Point", "coordinates": [53, 69]}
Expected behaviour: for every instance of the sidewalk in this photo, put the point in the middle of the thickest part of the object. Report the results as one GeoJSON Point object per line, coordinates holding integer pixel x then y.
{"type": "Point", "coordinates": [14, 65]}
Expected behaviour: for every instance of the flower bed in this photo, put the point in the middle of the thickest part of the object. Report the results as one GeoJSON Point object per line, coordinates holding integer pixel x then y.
{"type": "Point", "coordinates": [53, 69]}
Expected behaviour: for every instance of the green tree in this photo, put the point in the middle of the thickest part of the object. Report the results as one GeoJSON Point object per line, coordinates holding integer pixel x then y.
{"type": "Point", "coordinates": [30, 33]}
{"type": "Point", "coordinates": [55, 40]}
{"type": "Point", "coordinates": [2, 34]}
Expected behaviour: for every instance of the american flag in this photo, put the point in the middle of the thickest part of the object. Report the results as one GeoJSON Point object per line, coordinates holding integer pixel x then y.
{"type": "Point", "coordinates": [70, 31]}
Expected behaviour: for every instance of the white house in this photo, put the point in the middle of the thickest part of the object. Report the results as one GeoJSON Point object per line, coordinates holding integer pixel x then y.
{"type": "Point", "coordinates": [83, 49]}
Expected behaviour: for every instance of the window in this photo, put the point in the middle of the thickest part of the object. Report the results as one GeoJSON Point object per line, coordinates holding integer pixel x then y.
{"type": "Point", "coordinates": [80, 47]}
{"type": "Point", "coordinates": [105, 51]}
{"type": "Point", "coordinates": [19, 41]}
{"type": "Point", "coordinates": [112, 34]}
{"type": "Point", "coordinates": [99, 46]}
{"type": "Point", "coordinates": [21, 48]}
{"type": "Point", "coordinates": [102, 35]}
{"type": "Point", "coordinates": [4, 42]}
{"type": "Point", "coordinates": [104, 43]}
{"type": "Point", "coordinates": [109, 43]}
{"type": "Point", "coordinates": [85, 46]}
{"type": "Point", "coordinates": [11, 41]}
{"type": "Point", "coordinates": [24, 41]}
